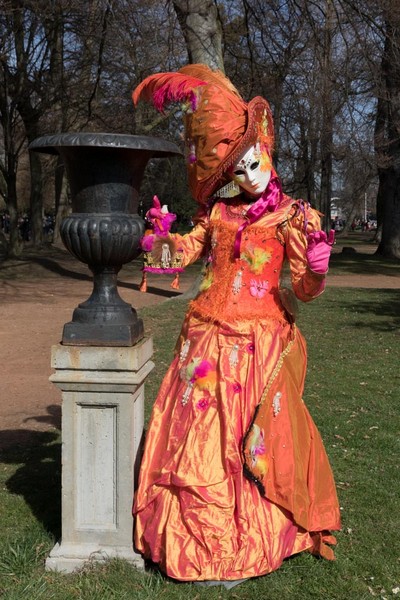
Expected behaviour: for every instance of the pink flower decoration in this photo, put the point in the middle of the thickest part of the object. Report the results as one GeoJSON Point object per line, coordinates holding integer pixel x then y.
{"type": "Point", "coordinates": [203, 404]}
{"type": "Point", "coordinates": [237, 387]}
{"type": "Point", "coordinates": [258, 289]}
{"type": "Point", "coordinates": [250, 348]}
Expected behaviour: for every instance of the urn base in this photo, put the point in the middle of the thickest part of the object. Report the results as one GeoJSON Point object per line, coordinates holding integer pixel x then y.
{"type": "Point", "coordinates": [109, 334]}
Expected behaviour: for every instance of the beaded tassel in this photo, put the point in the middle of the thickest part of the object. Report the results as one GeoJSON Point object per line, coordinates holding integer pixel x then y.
{"type": "Point", "coordinates": [184, 350]}
{"type": "Point", "coordinates": [237, 282]}
{"type": "Point", "coordinates": [143, 283]}
{"type": "Point", "coordinates": [276, 403]}
{"type": "Point", "coordinates": [234, 356]}
{"type": "Point", "coordinates": [186, 393]}
{"type": "Point", "coordinates": [175, 282]}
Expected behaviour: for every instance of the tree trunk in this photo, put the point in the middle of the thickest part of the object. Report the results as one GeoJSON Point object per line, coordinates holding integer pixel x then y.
{"type": "Point", "coordinates": [389, 245]}
{"type": "Point", "coordinates": [36, 199]}
{"type": "Point", "coordinates": [388, 139]}
{"type": "Point", "coordinates": [61, 195]}
{"type": "Point", "coordinates": [201, 29]}
{"type": "Point", "coordinates": [327, 121]}
{"type": "Point", "coordinates": [15, 245]}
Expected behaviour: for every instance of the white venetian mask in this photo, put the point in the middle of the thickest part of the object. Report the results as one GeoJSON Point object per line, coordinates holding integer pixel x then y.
{"type": "Point", "coordinates": [252, 171]}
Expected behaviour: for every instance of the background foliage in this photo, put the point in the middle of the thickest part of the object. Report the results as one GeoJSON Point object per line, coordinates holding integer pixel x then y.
{"type": "Point", "coordinates": [329, 70]}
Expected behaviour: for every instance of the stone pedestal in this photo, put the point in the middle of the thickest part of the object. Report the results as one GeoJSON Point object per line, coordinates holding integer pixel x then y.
{"type": "Point", "coordinates": [102, 427]}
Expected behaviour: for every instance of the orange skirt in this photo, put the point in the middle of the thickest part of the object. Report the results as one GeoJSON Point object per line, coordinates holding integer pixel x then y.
{"type": "Point", "coordinates": [198, 512]}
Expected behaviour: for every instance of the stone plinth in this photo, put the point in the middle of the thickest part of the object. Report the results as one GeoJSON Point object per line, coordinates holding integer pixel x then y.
{"type": "Point", "coordinates": [102, 427]}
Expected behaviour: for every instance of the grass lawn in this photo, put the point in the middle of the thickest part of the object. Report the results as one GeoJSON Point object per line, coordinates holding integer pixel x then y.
{"type": "Point", "coordinates": [353, 393]}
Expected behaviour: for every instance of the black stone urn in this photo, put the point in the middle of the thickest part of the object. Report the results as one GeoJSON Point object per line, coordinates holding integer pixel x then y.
{"type": "Point", "coordinates": [104, 172]}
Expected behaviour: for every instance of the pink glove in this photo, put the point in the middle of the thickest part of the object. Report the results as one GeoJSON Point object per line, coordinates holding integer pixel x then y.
{"type": "Point", "coordinates": [319, 250]}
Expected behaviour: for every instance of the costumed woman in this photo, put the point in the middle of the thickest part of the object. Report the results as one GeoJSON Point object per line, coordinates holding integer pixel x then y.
{"type": "Point", "coordinates": [234, 477]}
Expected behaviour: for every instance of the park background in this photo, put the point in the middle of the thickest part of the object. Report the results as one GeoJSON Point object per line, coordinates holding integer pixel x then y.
{"type": "Point", "coordinates": [331, 71]}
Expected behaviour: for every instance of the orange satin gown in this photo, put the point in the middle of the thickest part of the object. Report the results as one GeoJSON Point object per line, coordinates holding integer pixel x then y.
{"type": "Point", "coordinates": [234, 476]}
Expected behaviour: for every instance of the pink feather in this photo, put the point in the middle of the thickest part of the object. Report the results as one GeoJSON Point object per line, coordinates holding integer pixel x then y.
{"type": "Point", "coordinates": [164, 88]}
{"type": "Point", "coordinates": [147, 243]}
{"type": "Point", "coordinates": [164, 226]}
{"type": "Point", "coordinates": [202, 369]}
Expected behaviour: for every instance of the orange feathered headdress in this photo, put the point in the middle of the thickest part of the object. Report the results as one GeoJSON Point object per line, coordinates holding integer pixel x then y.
{"type": "Point", "coordinates": [219, 124]}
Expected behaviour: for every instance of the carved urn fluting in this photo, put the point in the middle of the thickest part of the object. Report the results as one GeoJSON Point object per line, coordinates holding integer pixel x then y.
{"type": "Point", "coordinates": [104, 172]}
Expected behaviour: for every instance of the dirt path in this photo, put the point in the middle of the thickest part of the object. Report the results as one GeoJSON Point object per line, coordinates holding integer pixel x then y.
{"type": "Point", "coordinates": [34, 307]}
{"type": "Point", "coordinates": [382, 282]}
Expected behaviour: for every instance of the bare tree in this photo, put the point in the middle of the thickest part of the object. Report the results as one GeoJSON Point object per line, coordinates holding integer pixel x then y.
{"type": "Point", "coordinates": [12, 130]}
{"type": "Point", "coordinates": [67, 65]}
{"type": "Point", "coordinates": [27, 93]}
{"type": "Point", "coordinates": [327, 115]}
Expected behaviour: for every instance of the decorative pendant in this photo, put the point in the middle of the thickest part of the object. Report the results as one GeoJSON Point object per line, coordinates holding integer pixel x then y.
{"type": "Point", "coordinates": [165, 256]}
{"type": "Point", "coordinates": [184, 350]}
{"type": "Point", "coordinates": [186, 393]}
{"type": "Point", "coordinates": [234, 356]}
{"type": "Point", "coordinates": [237, 282]}
{"type": "Point", "coordinates": [276, 403]}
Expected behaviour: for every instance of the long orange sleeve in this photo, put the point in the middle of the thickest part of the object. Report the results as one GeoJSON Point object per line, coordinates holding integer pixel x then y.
{"type": "Point", "coordinates": [306, 284]}
{"type": "Point", "coordinates": [193, 244]}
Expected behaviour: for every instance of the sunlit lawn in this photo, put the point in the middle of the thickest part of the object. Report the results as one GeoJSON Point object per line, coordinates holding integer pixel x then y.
{"type": "Point", "coordinates": [353, 393]}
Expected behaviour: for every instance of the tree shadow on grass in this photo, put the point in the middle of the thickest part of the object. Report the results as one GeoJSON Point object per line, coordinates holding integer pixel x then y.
{"type": "Point", "coordinates": [382, 314]}
{"type": "Point", "coordinates": [358, 263]}
{"type": "Point", "coordinates": [38, 475]}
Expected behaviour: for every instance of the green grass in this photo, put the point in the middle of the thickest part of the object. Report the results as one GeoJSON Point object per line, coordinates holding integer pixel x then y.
{"type": "Point", "coordinates": [353, 393]}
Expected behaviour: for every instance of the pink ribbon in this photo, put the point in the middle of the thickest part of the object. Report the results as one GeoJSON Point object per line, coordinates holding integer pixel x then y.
{"type": "Point", "coordinates": [267, 202]}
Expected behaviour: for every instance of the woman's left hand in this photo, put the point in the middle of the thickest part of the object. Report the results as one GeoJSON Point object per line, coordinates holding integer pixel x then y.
{"type": "Point", "coordinates": [319, 247]}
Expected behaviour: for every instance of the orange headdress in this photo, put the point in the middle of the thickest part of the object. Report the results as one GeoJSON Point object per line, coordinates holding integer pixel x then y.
{"type": "Point", "coordinates": [219, 124]}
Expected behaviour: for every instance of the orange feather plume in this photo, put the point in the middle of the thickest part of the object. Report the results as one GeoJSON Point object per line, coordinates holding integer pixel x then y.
{"type": "Point", "coordinates": [211, 77]}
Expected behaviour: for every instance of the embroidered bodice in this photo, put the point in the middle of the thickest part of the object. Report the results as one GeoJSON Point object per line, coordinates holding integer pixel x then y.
{"type": "Point", "coordinates": [244, 288]}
